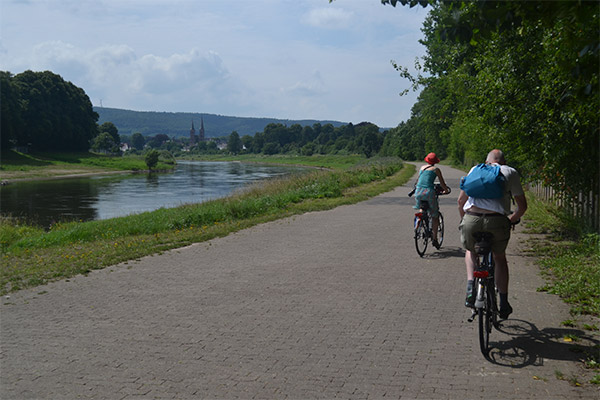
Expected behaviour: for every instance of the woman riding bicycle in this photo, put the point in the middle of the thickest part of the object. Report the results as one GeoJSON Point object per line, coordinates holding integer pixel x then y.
{"type": "Point", "coordinates": [425, 191]}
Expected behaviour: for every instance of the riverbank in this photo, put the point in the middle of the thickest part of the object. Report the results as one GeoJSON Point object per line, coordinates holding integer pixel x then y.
{"type": "Point", "coordinates": [18, 167]}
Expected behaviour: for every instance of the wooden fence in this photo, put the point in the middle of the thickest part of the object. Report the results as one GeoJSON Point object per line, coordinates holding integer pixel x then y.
{"type": "Point", "coordinates": [585, 206]}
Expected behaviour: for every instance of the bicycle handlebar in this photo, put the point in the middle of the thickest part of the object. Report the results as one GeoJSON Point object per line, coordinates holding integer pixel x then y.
{"type": "Point", "coordinates": [436, 187]}
{"type": "Point", "coordinates": [439, 191]}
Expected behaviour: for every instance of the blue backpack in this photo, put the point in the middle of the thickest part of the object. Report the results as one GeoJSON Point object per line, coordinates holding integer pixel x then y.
{"type": "Point", "coordinates": [484, 181]}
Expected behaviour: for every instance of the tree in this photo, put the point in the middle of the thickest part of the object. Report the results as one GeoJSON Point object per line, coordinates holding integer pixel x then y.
{"type": "Point", "coordinates": [271, 148]}
{"type": "Point", "coordinates": [157, 141]}
{"type": "Point", "coordinates": [54, 115]}
{"type": "Point", "coordinates": [234, 144]}
{"type": "Point", "coordinates": [10, 112]}
{"type": "Point", "coordinates": [138, 141]}
{"type": "Point", "coordinates": [104, 143]}
{"type": "Point", "coordinates": [521, 76]}
{"type": "Point", "coordinates": [151, 158]}
{"type": "Point", "coordinates": [248, 142]}
{"type": "Point", "coordinates": [110, 128]}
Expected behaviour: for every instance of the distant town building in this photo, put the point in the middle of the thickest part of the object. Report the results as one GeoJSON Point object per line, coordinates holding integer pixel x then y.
{"type": "Point", "coordinates": [200, 138]}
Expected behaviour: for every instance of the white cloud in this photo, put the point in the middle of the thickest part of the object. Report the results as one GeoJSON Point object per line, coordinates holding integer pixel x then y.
{"type": "Point", "coordinates": [329, 18]}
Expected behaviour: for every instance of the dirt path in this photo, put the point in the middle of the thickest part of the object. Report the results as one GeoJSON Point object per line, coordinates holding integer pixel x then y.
{"type": "Point", "coordinates": [322, 305]}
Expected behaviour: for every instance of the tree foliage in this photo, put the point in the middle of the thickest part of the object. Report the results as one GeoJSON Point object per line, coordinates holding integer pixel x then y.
{"type": "Point", "coordinates": [151, 158]}
{"type": "Point", "coordinates": [111, 129]}
{"type": "Point", "coordinates": [138, 141]}
{"type": "Point", "coordinates": [42, 111]}
{"type": "Point", "coordinates": [234, 144]}
{"type": "Point", "coordinates": [364, 138]}
{"type": "Point", "coordinates": [520, 76]}
{"type": "Point", "coordinates": [105, 143]}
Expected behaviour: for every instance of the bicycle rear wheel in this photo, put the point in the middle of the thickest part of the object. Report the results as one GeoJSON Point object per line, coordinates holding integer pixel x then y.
{"type": "Point", "coordinates": [485, 320]}
{"type": "Point", "coordinates": [440, 233]}
{"type": "Point", "coordinates": [421, 237]}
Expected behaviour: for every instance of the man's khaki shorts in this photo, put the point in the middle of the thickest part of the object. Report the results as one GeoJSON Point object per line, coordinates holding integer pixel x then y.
{"type": "Point", "coordinates": [498, 225]}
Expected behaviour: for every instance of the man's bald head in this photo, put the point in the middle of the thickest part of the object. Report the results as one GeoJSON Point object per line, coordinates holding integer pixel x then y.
{"type": "Point", "coordinates": [495, 156]}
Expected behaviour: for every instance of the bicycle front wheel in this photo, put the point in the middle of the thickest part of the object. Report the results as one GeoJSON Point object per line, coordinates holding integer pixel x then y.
{"type": "Point", "coordinates": [440, 232]}
{"type": "Point", "coordinates": [421, 237]}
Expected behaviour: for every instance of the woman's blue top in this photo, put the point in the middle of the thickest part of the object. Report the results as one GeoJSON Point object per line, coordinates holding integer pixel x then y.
{"type": "Point", "coordinates": [426, 179]}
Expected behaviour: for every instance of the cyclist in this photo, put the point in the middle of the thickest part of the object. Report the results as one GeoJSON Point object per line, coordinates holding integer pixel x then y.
{"type": "Point", "coordinates": [425, 191]}
{"type": "Point", "coordinates": [492, 215]}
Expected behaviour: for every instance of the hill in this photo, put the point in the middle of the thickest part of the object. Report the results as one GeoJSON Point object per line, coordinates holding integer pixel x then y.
{"type": "Point", "coordinates": [150, 123]}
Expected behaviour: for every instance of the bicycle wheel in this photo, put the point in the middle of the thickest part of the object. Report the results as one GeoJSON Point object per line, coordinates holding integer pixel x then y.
{"type": "Point", "coordinates": [440, 234]}
{"type": "Point", "coordinates": [485, 321]}
{"type": "Point", "coordinates": [421, 237]}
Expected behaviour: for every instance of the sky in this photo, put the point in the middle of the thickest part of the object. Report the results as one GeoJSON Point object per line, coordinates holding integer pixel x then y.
{"type": "Point", "coordinates": [287, 59]}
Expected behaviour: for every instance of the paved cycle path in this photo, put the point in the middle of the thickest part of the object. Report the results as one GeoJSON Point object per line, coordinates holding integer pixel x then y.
{"type": "Point", "coordinates": [333, 304]}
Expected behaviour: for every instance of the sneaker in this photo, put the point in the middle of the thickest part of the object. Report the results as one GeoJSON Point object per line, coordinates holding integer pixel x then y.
{"type": "Point", "coordinates": [505, 311]}
{"type": "Point", "coordinates": [435, 244]}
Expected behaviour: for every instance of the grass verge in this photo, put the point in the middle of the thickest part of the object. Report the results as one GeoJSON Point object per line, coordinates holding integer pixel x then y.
{"type": "Point", "coordinates": [32, 257]}
{"type": "Point", "coordinates": [569, 256]}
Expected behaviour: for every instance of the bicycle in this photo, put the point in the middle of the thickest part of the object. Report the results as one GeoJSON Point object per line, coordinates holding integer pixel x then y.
{"type": "Point", "coordinates": [423, 223]}
{"type": "Point", "coordinates": [484, 288]}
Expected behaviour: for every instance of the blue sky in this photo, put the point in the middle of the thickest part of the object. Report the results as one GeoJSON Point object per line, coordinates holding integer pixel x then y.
{"type": "Point", "coordinates": [289, 59]}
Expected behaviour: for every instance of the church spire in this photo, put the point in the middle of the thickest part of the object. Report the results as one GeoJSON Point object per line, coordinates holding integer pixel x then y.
{"type": "Point", "coordinates": [201, 131]}
{"type": "Point", "coordinates": [192, 135]}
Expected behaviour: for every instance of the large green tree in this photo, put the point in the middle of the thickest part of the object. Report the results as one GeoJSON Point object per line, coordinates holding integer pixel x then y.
{"type": "Point", "coordinates": [47, 113]}
{"type": "Point", "coordinates": [10, 111]}
{"type": "Point", "coordinates": [234, 144]}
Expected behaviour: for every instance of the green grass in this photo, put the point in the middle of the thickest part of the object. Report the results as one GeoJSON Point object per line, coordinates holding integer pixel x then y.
{"type": "Point", "coordinates": [569, 256]}
{"type": "Point", "coordinates": [31, 256]}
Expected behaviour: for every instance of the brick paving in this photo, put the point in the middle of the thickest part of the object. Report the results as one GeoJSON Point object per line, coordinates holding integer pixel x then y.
{"type": "Point", "coordinates": [333, 304]}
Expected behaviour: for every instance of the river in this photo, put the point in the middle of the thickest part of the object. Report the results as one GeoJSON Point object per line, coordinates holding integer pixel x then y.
{"type": "Point", "coordinates": [102, 197]}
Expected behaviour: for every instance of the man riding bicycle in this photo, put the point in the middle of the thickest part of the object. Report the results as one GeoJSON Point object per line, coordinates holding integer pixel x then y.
{"type": "Point", "coordinates": [491, 215]}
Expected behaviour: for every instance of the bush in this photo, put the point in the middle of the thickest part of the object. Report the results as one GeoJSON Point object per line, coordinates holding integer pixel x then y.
{"type": "Point", "coordinates": [151, 158]}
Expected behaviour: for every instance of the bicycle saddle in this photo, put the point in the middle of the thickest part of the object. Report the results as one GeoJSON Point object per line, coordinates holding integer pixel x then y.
{"type": "Point", "coordinates": [483, 242]}
{"type": "Point", "coordinates": [424, 205]}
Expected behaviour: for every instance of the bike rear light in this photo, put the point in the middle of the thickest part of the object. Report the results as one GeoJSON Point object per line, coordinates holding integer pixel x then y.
{"type": "Point", "coordinates": [481, 274]}
{"type": "Point", "coordinates": [419, 214]}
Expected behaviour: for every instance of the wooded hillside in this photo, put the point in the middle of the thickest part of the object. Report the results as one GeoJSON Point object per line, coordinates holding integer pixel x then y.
{"type": "Point", "coordinates": [150, 123]}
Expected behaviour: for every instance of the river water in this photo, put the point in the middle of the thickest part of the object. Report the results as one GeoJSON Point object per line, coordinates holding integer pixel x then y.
{"type": "Point", "coordinates": [102, 197]}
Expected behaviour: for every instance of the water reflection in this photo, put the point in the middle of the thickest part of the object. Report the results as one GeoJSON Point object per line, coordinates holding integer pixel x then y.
{"type": "Point", "coordinates": [46, 202]}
